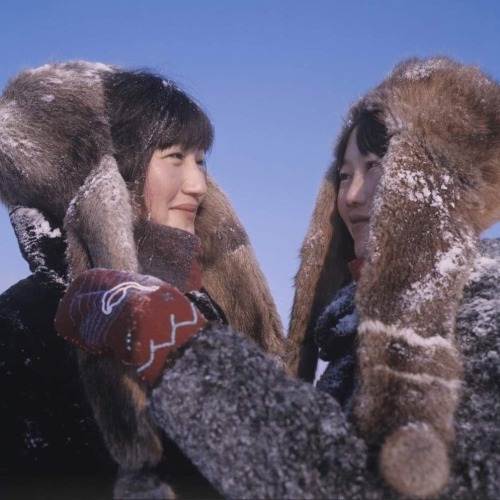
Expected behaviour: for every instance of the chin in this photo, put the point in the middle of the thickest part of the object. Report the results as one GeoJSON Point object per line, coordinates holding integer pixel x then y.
{"type": "Point", "coordinates": [189, 228]}
{"type": "Point", "coordinates": [360, 251]}
{"type": "Point", "coordinates": [185, 225]}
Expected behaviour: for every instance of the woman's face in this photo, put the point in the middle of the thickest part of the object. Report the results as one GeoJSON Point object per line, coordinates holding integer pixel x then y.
{"type": "Point", "coordinates": [175, 186]}
{"type": "Point", "coordinates": [359, 178]}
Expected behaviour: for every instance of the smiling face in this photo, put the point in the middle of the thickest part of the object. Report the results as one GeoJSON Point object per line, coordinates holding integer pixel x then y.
{"type": "Point", "coordinates": [175, 186]}
{"type": "Point", "coordinates": [359, 178]}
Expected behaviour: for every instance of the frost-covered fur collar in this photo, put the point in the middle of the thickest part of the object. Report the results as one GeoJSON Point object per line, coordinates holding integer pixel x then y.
{"type": "Point", "coordinates": [438, 191]}
{"type": "Point", "coordinates": [164, 252]}
{"type": "Point", "coordinates": [41, 243]}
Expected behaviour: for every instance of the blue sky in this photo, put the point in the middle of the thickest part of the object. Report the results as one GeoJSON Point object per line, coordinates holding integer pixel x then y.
{"type": "Point", "coordinates": [276, 77]}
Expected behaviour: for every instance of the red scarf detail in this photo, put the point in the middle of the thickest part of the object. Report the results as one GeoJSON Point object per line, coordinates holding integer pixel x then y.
{"type": "Point", "coordinates": [355, 267]}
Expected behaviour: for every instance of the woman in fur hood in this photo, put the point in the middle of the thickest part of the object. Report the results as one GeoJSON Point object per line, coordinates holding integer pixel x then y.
{"type": "Point", "coordinates": [415, 183]}
{"type": "Point", "coordinates": [103, 167]}
{"type": "Point", "coordinates": [396, 294]}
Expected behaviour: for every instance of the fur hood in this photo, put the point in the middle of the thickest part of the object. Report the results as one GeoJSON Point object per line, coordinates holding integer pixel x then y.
{"type": "Point", "coordinates": [56, 155]}
{"type": "Point", "coordinates": [438, 191]}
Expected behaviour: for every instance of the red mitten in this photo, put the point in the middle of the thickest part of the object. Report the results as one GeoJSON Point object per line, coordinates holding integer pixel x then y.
{"type": "Point", "coordinates": [141, 318]}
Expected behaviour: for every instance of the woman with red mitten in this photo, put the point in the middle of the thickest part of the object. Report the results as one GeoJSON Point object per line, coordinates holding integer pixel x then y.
{"type": "Point", "coordinates": [126, 214]}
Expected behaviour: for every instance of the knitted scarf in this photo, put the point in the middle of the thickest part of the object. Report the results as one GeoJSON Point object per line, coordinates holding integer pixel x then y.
{"type": "Point", "coordinates": [169, 254]}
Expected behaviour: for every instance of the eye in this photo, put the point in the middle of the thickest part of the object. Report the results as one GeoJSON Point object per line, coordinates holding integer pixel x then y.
{"type": "Point", "coordinates": [344, 176]}
{"type": "Point", "coordinates": [373, 164]}
{"type": "Point", "coordinates": [177, 156]}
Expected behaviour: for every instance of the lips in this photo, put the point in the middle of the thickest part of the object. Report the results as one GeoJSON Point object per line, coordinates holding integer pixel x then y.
{"type": "Point", "coordinates": [358, 220]}
{"type": "Point", "coordinates": [186, 207]}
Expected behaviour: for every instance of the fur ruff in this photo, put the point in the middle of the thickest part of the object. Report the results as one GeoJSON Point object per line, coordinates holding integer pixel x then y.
{"type": "Point", "coordinates": [56, 155]}
{"type": "Point", "coordinates": [438, 192]}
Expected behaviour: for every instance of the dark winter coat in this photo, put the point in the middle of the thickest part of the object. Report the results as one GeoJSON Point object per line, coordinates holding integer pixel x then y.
{"type": "Point", "coordinates": [257, 433]}
{"type": "Point", "coordinates": [47, 426]}
{"type": "Point", "coordinates": [50, 441]}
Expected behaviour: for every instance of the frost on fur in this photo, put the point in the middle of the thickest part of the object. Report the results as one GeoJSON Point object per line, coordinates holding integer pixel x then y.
{"type": "Point", "coordinates": [431, 205]}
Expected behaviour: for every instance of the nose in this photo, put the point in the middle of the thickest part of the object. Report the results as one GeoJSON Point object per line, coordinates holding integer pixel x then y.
{"type": "Point", "coordinates": [195, 182]}
{"type": "Point", "coordinates": [356, 194]}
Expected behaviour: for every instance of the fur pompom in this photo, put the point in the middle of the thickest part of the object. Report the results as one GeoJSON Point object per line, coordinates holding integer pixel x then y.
{"type": "Point", "coordinates": [414, 461]}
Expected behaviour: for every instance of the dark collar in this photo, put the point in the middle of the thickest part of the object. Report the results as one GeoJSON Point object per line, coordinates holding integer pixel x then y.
{"type": "Point", "coordinates": [168, 253]}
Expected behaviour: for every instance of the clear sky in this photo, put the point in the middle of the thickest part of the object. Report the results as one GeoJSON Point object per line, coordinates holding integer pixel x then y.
{"type": "Point", "coordinates": [276, 77]}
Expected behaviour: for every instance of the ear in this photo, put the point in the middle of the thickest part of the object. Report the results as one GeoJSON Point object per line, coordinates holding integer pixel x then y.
{"type": "Point", "coordinates": [231, 273]}
{"type": "Point", "coordinates": [99, 222]}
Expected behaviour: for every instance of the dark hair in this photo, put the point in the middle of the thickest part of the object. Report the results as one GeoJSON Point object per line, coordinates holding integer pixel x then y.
{"type": "Point", "coordinates": [371, 137]}
{"type": "Point", "coordinates": [148, 112]}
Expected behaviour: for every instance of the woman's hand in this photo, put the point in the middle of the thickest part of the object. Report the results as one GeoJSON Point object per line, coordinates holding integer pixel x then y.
{"type": "Point", "coordinates": [140, 318]}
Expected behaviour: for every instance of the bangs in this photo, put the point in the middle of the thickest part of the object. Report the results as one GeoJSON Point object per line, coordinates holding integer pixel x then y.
{"type": "Point", "coordinates": [147, 112]}
{"type": "Point", "coordinates": [371, 134]}
{"type": "Point", "coordinates": [371, 137]}
{"type": "Point", "coordinates": [183, 122]}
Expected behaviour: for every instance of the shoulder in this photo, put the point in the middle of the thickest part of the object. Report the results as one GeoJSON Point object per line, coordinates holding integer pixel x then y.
{"type": "Point", "coordinates": [480, 308]}
{"type": "Point", "coordinates": [477, 450]}
{"type": "Point", "coordinates": [30, 303]}
{"type": "Point", "coordinates": [29, 346]}
{"type": "Point", "coordinates": [47, 425]}
{"type": "Point", "coordinates": [478, 318]}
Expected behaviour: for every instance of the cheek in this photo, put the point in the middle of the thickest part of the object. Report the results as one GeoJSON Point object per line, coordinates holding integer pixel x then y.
{"type": "Point", "coordinates": [162, 186]}
{"type": "Point", "coordinates": [171, 188]}
{"type": "Point", "coordinates": [341, 205]}
{"type": "Point", "coordinates": [372, 186]}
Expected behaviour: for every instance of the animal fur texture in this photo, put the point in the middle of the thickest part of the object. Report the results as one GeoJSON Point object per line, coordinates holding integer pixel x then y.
{"type": "Point", "coordinates": [56, 155]}
{"type": "Point", "coordinates": [438, 192]}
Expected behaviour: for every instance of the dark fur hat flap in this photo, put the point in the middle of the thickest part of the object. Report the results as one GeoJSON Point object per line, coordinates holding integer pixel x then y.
{"type": "Point", "coordinates": [53, 132]}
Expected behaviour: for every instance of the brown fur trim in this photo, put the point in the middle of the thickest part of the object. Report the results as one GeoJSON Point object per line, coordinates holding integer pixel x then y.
{"type": "Point", "coordinates": [320, 275]}
{"type": "Point", "coordinates": [231, 274]}
{"type": "Point", "coordinates": [54, 130]}
{"type": "Point", "coordinates": [119, 402]}
{"type": "Point", "coordinates": [438, 191]}
{"type": "Point", "coordinates": [93, 240]}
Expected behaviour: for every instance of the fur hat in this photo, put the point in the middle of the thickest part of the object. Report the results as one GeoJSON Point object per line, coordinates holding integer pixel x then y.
{"type": "Point", "coordinates": [438, 191]}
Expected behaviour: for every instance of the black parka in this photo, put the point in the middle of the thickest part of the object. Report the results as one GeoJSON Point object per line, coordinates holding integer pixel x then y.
{"type": "Point", "coordinates": [50, 442]}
